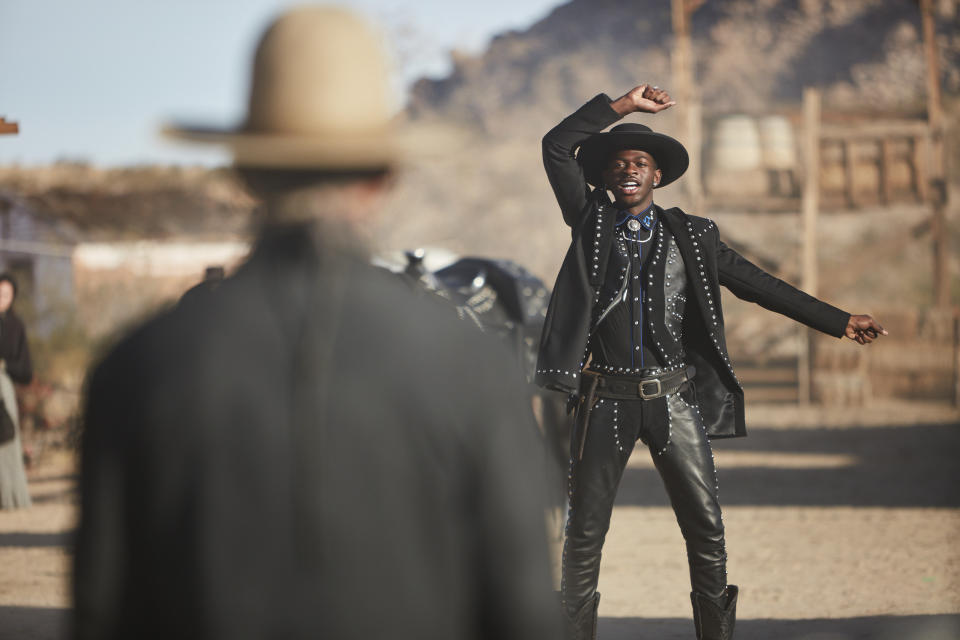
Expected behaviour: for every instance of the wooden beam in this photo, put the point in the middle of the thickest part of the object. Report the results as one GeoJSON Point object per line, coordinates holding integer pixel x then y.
{"type": "Point", "coordinates": [875, 129]}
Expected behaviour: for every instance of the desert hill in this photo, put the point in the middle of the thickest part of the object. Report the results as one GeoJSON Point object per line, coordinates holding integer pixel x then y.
{"type": "Point", "coordinates": [752, 55]}
{"type": "Point", "coordinates": [485, 192]}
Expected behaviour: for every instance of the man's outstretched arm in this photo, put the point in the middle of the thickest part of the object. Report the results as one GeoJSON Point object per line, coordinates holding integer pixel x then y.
{"type": "Point", "coordinates": [749, 282]}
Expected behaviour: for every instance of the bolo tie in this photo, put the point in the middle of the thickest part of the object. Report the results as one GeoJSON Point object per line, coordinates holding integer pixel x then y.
{"type": "Point", "coordinates": [631, 227]}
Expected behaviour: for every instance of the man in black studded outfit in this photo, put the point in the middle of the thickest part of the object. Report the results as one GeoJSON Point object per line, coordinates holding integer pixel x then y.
{"type": "Point", "coordinates": [635, 331]}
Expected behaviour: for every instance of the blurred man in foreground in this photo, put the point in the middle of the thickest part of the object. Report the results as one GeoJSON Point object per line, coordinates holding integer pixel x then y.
{"type": "Point", "coordinates": [310, 452]}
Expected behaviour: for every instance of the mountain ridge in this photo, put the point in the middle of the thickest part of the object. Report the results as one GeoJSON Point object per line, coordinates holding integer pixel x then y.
{"type": "Point", "coordinates": [751, 56]}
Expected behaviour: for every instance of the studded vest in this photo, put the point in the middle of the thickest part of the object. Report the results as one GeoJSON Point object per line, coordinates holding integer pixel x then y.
{"type": "Point", "coordinates": [674, 295]}
{"type": "Point", "coordinates": [637, 322]}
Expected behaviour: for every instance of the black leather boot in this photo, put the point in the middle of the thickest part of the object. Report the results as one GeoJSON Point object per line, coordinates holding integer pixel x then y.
{"type": "Point", "coordinates": [714, 618]}
{"type": "Point", "coordinates": [583, 624]}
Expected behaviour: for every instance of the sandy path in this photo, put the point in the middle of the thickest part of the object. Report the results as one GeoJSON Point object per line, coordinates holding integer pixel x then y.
{"type": "Point", "coordinates": [840, 526]}
{"type": "Point", "coordinates": [34, 557]}
{"type": "Point", "coordinates": [833, 533]}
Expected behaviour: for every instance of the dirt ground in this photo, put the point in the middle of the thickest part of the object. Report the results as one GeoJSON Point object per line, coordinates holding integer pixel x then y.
{"type": "Point", "coordinates": [841, 525]}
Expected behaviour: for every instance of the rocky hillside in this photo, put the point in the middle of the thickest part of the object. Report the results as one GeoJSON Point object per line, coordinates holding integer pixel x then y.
{"type": "Point", "coordinates": [483, 191]}
{"type": "Point", "coordinates": [752, 55]}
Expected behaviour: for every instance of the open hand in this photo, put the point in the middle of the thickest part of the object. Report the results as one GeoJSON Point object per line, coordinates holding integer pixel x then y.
{"type": "Point", "coordinates": [863, 329]}
{"type": "Point", "coordinates": [643, 98]}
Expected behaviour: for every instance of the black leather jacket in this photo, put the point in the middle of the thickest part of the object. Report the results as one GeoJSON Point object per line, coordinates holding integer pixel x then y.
{"type": "Point", "coordinates": [709, 264]}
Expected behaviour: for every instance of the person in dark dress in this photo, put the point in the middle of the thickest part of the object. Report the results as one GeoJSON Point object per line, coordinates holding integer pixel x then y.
{"type": "Point", "coordinates": [634, 331]}
{"type": "Point", "coordinates": [312, 450]}
{"type": "Point", "coordinates": [15, 367]}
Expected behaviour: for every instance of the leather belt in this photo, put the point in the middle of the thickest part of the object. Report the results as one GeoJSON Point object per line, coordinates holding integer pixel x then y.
{"type": "Point", "coordinates": [620, 387]}
{"type": "Point", "coordinates": [595, 385]}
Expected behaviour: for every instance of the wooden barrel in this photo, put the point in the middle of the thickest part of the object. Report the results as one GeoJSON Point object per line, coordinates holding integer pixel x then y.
{"type": "Point", "coordinates": [778, 146]}
{"type": "Point", "coordinates": [734, 161]}
{"type": "Point", "coordinates": [736, 144]}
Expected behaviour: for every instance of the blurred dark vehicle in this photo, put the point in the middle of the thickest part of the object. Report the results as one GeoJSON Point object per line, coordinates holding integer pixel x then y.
{"type": "Point", "coordinates": [502, 298]}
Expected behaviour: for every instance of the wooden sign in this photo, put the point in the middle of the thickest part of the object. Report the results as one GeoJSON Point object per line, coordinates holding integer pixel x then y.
{"type": "Point", "coordinates": [8, 127]}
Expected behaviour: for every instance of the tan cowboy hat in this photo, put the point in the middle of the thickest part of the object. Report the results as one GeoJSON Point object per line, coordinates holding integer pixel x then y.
{"type": "Point", "coordinates": [319, 98]}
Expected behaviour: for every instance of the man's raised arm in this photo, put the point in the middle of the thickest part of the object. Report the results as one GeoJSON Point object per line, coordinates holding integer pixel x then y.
{"type": "Point", "coordinates": [559, 144]}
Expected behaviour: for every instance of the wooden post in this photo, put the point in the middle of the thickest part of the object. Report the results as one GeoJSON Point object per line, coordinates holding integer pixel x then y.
{"type": "Point", "coordinates": [920, 145]}
{"type": "Point", "coordinates": [849, 186]}
{"type": "Point", "coordinates": [956, 359]}
{"type": "Point", "coordinates": [941, 247]}
{"type": "Point", "coordinates": [811, 206]}
{"type": "Point", "coordinates": [886, 160]}
{"type": "Point", "coordinates": [811, 186]}
{"type": "Point", "coordinates": [938, 190]}
{"type": "Point", "coordinates": [934, 110]}
{"type": "Point", "coordinates": [864, 392]}
{"type": "Point", "coordinates": [695, 150]}
{"type": "Point", "coordinates": [680, 62]}
{"type": "Point", "coordinates": [688, 106]}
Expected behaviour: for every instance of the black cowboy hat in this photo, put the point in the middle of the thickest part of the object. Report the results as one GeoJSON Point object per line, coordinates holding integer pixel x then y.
{"type": "Point", "coordinates": [671, 156]}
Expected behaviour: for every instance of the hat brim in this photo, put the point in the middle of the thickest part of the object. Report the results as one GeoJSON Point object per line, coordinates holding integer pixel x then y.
{"type": "Point", "coordinates": [671, 156]}
{"type": "Point", "coordinates": [336, 151]}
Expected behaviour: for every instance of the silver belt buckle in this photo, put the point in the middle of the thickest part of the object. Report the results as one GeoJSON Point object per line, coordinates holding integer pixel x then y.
{"type": "Point", "coordinates": [647, 396]}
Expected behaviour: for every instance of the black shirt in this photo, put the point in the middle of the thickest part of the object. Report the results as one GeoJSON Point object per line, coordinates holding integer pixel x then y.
{"type": "Point", "coordinates": [622, 338]}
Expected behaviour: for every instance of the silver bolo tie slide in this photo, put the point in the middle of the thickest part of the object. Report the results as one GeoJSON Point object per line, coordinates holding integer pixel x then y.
{"type": "Point", "coordinates": [633, 224]}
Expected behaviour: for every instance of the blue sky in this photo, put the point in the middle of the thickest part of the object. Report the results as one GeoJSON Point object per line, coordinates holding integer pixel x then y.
{"type": "Point", "coordinates": [92, 80]}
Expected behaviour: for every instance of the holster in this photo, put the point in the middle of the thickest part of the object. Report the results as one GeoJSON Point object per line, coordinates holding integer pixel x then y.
{"type": "Point", "coordinates": [588, 398]}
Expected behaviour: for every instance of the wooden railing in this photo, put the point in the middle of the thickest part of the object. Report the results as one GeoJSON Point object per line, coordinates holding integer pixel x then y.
{"type": "Point", "coordinates": [883, 135]}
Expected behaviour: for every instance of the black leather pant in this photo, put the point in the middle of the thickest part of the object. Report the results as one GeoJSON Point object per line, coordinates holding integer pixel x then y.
{"type": "Point", "coordinates": [686, 467]}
